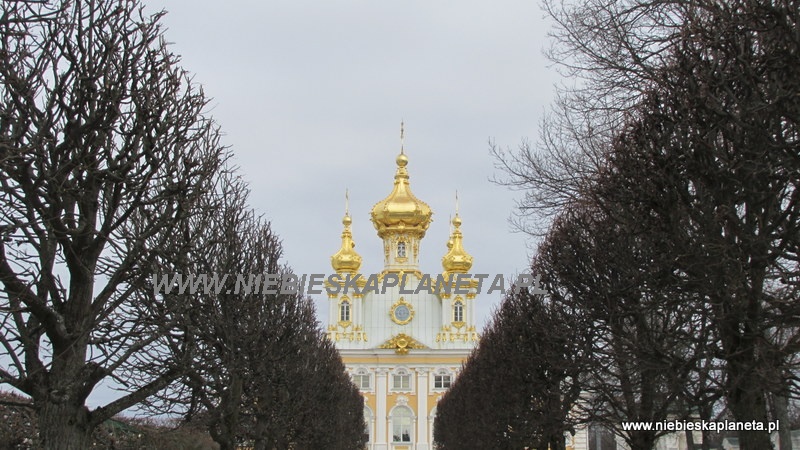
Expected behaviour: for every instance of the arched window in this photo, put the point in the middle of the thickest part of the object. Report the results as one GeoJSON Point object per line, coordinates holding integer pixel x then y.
{"type": "Point", "coordinates": [402, 424]}
{"type": "Point", "coordinates": [344, 311]}
{"type": "Point", "coordinates": [432, 421]}
{"type": "Point", "coordinates": [362, 379]}
{"type": "Point", "coordinates": [401, 380]}
{"type": "Point", "coordinates": [367, 423]}
{"type": "Point", "coordinates": [442, 379]}
{"type": "Point", "coordinates": [458, 311]}
{"type": "Point", "coordinates": [401, 249]}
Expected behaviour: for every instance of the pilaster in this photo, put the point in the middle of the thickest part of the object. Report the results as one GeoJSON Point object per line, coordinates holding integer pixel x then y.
{"type": "Point", "coordinates": [381, 413]}
{"type": "Point", "coordinates": [423, 387]}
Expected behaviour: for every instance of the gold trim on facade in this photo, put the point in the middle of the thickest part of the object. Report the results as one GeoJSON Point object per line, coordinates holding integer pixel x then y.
{"type": "Point", "coordinates": [468, 336]}
{"type": "Point", "coordinates": [402, 343]}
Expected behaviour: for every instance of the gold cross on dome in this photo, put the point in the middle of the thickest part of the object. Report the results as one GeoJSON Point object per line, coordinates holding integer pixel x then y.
{"type": "Point", "coordinates": [401, 137]}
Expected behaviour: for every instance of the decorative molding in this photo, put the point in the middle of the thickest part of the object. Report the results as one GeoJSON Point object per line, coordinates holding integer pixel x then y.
{"type": "Point", "coordinates": [468, 336]}
{"type": "Point", "coordinates": [402, 343]}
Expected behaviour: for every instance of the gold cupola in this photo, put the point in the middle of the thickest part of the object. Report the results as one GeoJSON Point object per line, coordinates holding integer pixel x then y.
{"type": "Point", "coordinates": [346, 260]}
{"type": "Point", "coordinates": [401, 211]}
{"type": "Point", "coordinates": [457, 260]}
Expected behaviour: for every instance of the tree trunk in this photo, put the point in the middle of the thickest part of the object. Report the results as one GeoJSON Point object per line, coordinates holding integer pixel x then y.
{"type": "Point", "coordinates": [225, 429]}
{"type": "Point", "coordinates": [64, 421]}
{"type": "Point", "coordinates": [63, 426]}
{"type": "Point", "coordinates": [748, 404]}
{"type": "Point", "coordinates": [705, 414]}
{"type": "Point", "coordinates": [643, 441]}
{"type": "Point", "coordinates": [781, 405]}
{"type": "Point", "coordinates": [259, 431]}
{"type": "Point", "coordinates": [690, 439]}
{"type": "Point", "coordinates": [746, 393]}
{"type": "Point", "coordinates": [555, 442]}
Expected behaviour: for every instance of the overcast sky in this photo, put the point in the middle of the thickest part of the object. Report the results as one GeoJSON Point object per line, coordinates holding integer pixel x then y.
{"type": "Point", "coordinates": [310, 96]}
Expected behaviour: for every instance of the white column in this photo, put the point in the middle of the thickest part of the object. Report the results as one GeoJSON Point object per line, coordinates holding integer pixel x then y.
{"type": "Point", "coordinates": [423, 387]}
{"type": "Point", "coordinates": [446, 310]}
{"type": "Point", "coordinates": [430, 429]}
{"type": "Point", "coordinates": [381, 415]}
{"type": "Point", "coordinates": [333, 314]}
{"type": "Point", "coordinates": [581, 439]}
{"type": "Point", "coordinates": [372, 432]}
{"type": "Point", "coordinates": [470, 310]}
{"type": "Point", "coordinates": [354, 311]}
{"type": "Point", "coordinates": [361, 308]}
{"type": "Point", "coordinates": [360, 317]}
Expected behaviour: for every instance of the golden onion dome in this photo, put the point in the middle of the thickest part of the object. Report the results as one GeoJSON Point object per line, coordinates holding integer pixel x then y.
{"type": "Point", "coordinates": [457, 260]}
{"type": "Point", "coordinates": [401, 211]}
{"type": "Point", "coordinates": [346, 259]}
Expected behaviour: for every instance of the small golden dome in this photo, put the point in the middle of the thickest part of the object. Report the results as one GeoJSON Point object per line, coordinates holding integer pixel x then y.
{"type": "Point", "coordinates": [401, 211]}
{"type": "Point", "coordinates": [457, 260]}
{"type": "Point", "coordinates": [346, 259]}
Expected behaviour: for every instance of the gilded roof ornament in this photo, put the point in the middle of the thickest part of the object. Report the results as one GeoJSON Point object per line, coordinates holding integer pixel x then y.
{"type": "Point", "coordinates": [401, 211]}
{"type": "Point", "coordinates": [456, 260]}
{"type": "Point", "coordinates": [402, 343]}
{"type": "Point", "coordinates": [346, 260]}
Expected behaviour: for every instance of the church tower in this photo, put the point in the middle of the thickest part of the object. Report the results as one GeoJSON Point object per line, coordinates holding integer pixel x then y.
{"type": "Point", "coordinates": [402, 340]}
{"type": "Point", "coordinates": [401, 220]}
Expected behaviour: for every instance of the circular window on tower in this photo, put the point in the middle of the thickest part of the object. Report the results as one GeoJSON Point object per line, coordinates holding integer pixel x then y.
{"type": "Point", "coordinates": [402, 312]}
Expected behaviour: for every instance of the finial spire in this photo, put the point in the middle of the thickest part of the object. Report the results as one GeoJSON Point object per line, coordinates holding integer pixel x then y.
{"type": "Point", "coordinates": [457, 260]}
{"type": "Point", "coordinates": [402, 151]}
{"type": "Point", "coordinates": [346, 259]}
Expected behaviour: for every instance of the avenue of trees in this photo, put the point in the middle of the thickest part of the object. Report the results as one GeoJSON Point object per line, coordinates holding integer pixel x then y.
{"type": "Point", "coordinates": [110, 173]}
{"type": "Point", "coordinates": [665, 191]}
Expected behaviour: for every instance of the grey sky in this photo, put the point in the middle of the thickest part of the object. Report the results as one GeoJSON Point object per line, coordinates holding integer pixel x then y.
{"type": "Point", "coordinates": [310, 96]}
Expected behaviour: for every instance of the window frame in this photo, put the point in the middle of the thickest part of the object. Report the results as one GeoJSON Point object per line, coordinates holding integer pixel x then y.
{"type": "Point", "coordinates": [439, 380]}
{"type": "Point", "coordinates": [459, 311]}
{"type": "Point", "coordinates": [402, 374]}
{"type": "Point", "coordinates": [345, 306]}
{"type": "Point", "coordinates": [359, 377]}
{"type": "Point", "coordinates": [402, 422]}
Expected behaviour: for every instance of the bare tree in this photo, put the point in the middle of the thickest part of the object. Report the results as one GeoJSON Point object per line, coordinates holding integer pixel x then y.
{"type": "Point", "coordinates": [692, 107]}
{"type": "Point", "coordinates": [305, 399]}
{"type": "Point", "coordinates": [650, 340]}
{"type": "Point", "coordinates": [521, 383]}
{"type": "Point", "coordinates": [262, 372]}
{"type": "Point", "coordinates": [226, 264]}
{"type": "Point", "coordinates": [104, 151]}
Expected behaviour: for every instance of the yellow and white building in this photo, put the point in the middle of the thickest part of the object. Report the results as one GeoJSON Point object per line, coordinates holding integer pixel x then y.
{"type": "Point", "coordinates": [403, 347]}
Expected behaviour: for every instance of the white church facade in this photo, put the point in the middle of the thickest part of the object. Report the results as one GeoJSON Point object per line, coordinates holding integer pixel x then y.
{"type": "Point", "coordinates": [403, 347]}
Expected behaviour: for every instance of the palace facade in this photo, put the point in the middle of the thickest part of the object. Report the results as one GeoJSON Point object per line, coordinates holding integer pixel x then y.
{"type": "Point", "coordinates": [403, 347]}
